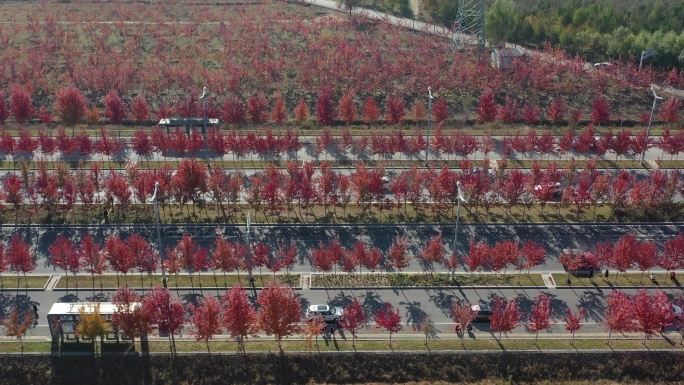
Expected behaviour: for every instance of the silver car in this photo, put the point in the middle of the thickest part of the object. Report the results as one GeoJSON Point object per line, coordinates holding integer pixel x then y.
{"type": "Point", "coordinates": [329, 313]}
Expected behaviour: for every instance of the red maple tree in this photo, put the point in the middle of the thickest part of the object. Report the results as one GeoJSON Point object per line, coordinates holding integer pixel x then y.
{"type": "Point", "coordinates": [207, 319]}
{"type": "Point", "coordinates": [118, 255]}
{"type": "Point", "coordinates": [619, 317]}
{"type": "Point", "coordinates": [433, 252]}
{"type": "Point", "coordinates": [398, 253]}
{"type": "Point", "coordinates": [371, 111]}
{"type": "Point", "coordinates": [21, 104]}
{"type": "Point", "coordinates": [70, 105]}
{"type": "Point", "coordinates": [573, 323]}
{"type": "Point", "coordinates": [505, 316]}
{"type": "Point", "coordinates": [129, 316]}
{"type": "Point", "coordinates": [347, 109]}
{"type": "Point", "coordinates": [389, 320]}
{"type": "Point", "coordinates": [115, 109]}
{"type": "Point", "coordinates": [540, 315]}
{"type": "Point", "coordinates": [140, 111]}
{"type": "Point", "coordinates": [651, 313]}
{"type": "Point", "coordinates": [487, 110]}
{"type": "Point", "coordinates": [600, 110]}
{"type": "Point", "coordinates": [301, 113]}
{"type": "Point", "coordinates": [92, 257]}
{"type": "Point", "coordinates": [463, 315]}
{"type": "Point", "coordinates": [239, 316]}
{"type": "Point", "coordinates": [19, 257]}
{"type": "Point", "coordinates": [165, 311]}
{"type": "Point", "coordinates": [354, 318]}
{"type": "Point", "coordinates": [279, 311]}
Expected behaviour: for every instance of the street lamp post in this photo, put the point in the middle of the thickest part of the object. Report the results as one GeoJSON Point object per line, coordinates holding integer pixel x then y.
{"type": "Point", "coordinates": [249, 249]}
{"type": "Point", "coordinates": [204, 123]}
{"type": "Point", "coordinates": [650, 119]}
{"type": "Point", "coordinates": [458, 217]}
{"type": "Point", "coordinates": [427, 143]}
{"type": "Point", "coordinates": [155, 200]}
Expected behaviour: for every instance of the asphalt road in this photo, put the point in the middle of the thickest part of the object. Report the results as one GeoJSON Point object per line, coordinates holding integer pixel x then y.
{"type": "Point", "coordinates": [555, 236]}
{"type": "Point", "coordinates": [414, 305]}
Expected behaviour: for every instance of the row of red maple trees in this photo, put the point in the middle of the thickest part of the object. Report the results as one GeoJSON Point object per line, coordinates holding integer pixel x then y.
{"type": "Point", "coordinates": [177, 144]}
{"type": "Point", "coordinates": [134, 252]}
{"type": "Point", "coordinates": [71, 108]}
{"type": "Point", "coordinates": [276, 190]}
{"type": "Point", "coordinates": [278, 313]}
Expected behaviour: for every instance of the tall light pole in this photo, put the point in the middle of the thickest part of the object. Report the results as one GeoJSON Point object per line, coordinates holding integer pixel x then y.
{"type": "Point", "coordinates": [155, 200]}
{"type": "Point", "coordinates": [650, 119]}
{"type": "Point", "coordinates": [427, 143]}
{"type": "Point", "coordinates": [249, 249]}
{"type": "Point", "coordinates": [204, 123]}
{"type": "Point", "coordinates": [458, 217]}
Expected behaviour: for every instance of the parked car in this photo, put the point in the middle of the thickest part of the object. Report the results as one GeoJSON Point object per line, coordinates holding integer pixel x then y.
{"type": "Point", "coordinates": [555, 188]}
{"type": "Point", "coordinates": [484, 312]}
{"type": "Point", "coordinates": [329, 313]}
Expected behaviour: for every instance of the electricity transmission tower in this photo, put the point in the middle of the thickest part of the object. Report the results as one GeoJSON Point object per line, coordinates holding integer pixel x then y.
{"type": "Point", "coordinates": [469, 26]}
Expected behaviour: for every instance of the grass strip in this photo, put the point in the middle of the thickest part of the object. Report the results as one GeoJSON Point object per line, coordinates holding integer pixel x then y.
{"type": "Point", "coordinates": [180, 281]}
{"type": "Point", "coordinates": [420, 280]}
{"type": "Point", "coordinates": [616, 279]}
{"type": "Point", "coordinates": [9, 282]}
{"type": "Point", "coordinates": [267, 345]}
{"type": "Point", "coordinates": [350, 214]}
{"type": "Point", "coordinates": [580, 163]}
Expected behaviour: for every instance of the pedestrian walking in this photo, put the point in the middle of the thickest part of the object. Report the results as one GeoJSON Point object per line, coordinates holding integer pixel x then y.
{"type": "Point", "coordinates": [673, 276]}
{"type": "Point", "coordinates": [35, 310]}
{"type": "Point", "coordinates": [591, 275]}
{"type": "Point", "coordinates": [606, 273]}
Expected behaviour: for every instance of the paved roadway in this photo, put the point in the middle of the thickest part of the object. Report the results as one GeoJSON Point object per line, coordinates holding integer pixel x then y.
{"type": "Point", "coordinates": [413, 304]}
{"type": "Point", "coordinates": [554, 236]}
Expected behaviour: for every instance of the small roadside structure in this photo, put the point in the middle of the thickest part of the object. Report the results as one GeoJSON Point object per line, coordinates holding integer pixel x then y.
{"type": "Point", "coordinates": [190, 124]}
{"type": "Point", "coordinates": [503, 57]}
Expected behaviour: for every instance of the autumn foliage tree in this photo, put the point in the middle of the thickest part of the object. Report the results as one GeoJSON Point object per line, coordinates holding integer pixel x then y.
{"type": "Point", "coordinates": [129, 316]}
{"type": "Point", "coordinates": [301, 113]}
{"type": "Point", "coordinates": [21, 104]}
{"type": "Point", "coordinates": [557, 110]}
{"type": "Point", "coordinates": [239, 316]}
{"type": "Point", "coordinates": [371, 111]}
{"type": "Point", "coordinates": [17, 324]}
{"type": "Point", "coordinates": [651, 313]}
{"type": "Point", "coordinates": [19, 257]}
{"type": "Point", "coordinates": [440, 109]}
{"type": "Point", "coordinates": [619, 316]}
{"type": "Point", "coordinates": [396, 110]}
{"type": "Point", "coordinates": [487, 110]}
{"type": "Point", "coordinates": [505, 316]}
{"type": "Point", "coordinates": [279, 111]}
{"type": "Point", "coordinates": [115, 109]}
{"type": "Point", "coordinates": [279, 311]}
{"type": "Point", "coordinates": [140, 111]}
{"type": "Point", "coordinates": [389, 319]}
{"type": "Point", "coordinates": [165, 311]}
{"type": "Point", "coordinates": [207, 319]}
{"type": "Point", "coordinates": [325, 112]}
{"type": "Point", "coordinates": [573, 323]}
{"type": "Point", "coordinates": [346, 108]}
{"type": "Point", "coordinates": [600, 110]}
{"type": "Point", "coordinates": [540, 315]}
{"type": "Point", "coordinates": [70, 105]}
{"type": "Point", "coordinates": [463, 315]}
{"type": "Point", "coordinates": [354, 318]}
{"type": "Point", "coordinates": [671, 110]}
